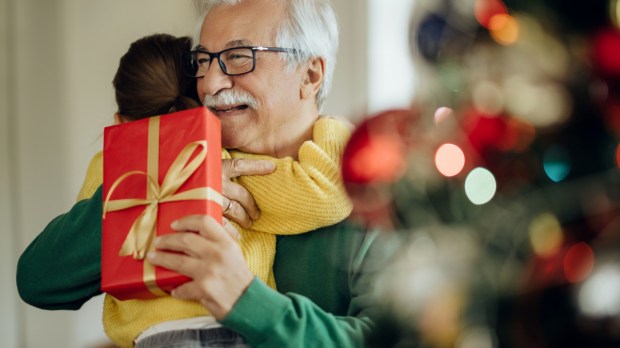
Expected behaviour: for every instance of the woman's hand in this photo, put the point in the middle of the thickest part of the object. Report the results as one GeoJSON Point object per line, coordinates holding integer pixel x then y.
{"type": "Point", "coordinates": [238, 203]}
{"type": "Point", "coordinates": [213, 259]}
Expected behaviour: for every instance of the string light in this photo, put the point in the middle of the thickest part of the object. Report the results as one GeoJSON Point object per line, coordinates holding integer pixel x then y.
{"type": "Point", "coordinates": [449, 160]}
{"type": "Point", "coordinates": [485, 10]}
{"type": "Point", "coordinates": [504, 29]}
{"type": "Point", "coordinates": [578, 262]}
{"type": "Point", "coordinates": [480, 186]}
{"type": "Point", "coordinates": [546, 235]}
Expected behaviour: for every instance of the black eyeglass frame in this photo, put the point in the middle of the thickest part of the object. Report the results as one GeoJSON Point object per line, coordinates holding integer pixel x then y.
{"type": "Point", "coordinates": [188, 57]}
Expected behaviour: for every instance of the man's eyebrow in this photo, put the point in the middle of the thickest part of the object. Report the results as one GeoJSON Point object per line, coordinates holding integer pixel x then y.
{"type": "Point", "coordinates": [231, 44]}
{"type": "Point", "coordinates": [238, 43]}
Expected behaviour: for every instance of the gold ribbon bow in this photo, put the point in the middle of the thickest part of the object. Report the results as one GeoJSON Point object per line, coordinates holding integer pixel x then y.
{"type": "Point", "coordinates": [139, 240]}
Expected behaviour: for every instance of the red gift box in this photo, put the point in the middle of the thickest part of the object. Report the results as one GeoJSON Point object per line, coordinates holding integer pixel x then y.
{"type": "Point", "coordinates": [155, 170]}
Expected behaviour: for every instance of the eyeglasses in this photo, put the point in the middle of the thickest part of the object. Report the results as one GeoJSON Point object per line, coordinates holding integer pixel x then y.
{"type": "Point", "coordinates": [233, 61]}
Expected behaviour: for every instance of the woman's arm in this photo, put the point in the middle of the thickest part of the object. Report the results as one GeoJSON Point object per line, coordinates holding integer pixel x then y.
{"type": "Point", "coordinates": [305, 193]}
{"type": "Point", "coordinates": [61, 268]}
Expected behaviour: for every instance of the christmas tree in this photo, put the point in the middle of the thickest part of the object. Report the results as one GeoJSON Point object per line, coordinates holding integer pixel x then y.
{"type": "Point", "coordinates": [500, 187]}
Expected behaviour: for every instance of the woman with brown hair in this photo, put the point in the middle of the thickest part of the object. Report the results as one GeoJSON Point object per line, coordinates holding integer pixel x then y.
{"type": "Point", "coordinates": [149, 82]}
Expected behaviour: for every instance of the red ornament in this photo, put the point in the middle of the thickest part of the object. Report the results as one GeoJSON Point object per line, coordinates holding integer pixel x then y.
{"type": "Point", "coordinates": [374, 158]}
{"type": "Point", "coordinates": [376, 149]}
{"type": "Point", "coordinates": [486, 9]}
{"type": "Point", "coordinates": [496, 133]}
{"type": "Point", "coordinates": [578, 262]}
{"type": "Point", "coordinates": [606, 52]}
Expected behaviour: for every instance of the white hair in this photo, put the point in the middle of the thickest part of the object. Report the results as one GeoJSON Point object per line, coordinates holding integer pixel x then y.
{"type": "Point", "coordinates": [310, 27]}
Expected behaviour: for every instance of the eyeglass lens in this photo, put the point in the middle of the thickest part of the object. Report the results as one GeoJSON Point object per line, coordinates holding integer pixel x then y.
{"type": "Point", "coordinates": [234, 61]}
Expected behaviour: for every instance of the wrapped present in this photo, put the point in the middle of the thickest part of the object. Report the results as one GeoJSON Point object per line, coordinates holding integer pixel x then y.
{"type": "Point", "coordinates": [156, 170]}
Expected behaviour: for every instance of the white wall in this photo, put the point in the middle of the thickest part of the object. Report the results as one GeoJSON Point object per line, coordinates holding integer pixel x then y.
{"type": "Point", "coordinates": [9, 314]}
{"type": "Point", "coordinates": [348, 96]}
{"type": "Point", "coordinates": [391, 77]}
{"type": "Point", "coordinates": [57, 61]}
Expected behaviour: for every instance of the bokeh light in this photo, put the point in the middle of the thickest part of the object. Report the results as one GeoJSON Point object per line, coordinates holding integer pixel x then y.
{"type": "Point", "coordinates": [487, 9]}
{"type": "Point", "coordinates": [480, 186]}
{"type": "Point", "coordinates": [520, 136]}
{"type": "Point", "coordinates": [380, 160]}
{"type": "Point", "coordinates": [449, 160]}
{"type": "Point", "coordinates": [546, 235]}
{"type": "Point", "coordinates": [545, 54]}
{"type": "Point", "coordinates": [618, 155]}
{"type": "Point", "coordinates": [497, 132]}
{"type": "Point", "coordinates": [556, 163]}
{"type": "Point", "coordinates": [504, 29]}
{"type": "Point", "coordinates": [442, 113]}
{"type": "Point", "coordinates": [542, 105]}
{"type": "Point", "coordinates": [375, 152]}
{"type": "Point", "coordinates": [599, 295]}
{"type": "Point", "coordinates": [614, 11]}
{"type": "Point", "coordinates": [429, 36]}
{"type": "Point", "coordinates": [488, 97]}
{"type": "Point", "coordinates": [578, 262]}
{"type": "Point", "coordinates": [476, 337]}
{"type": "Point", "coordinates": [607, 52]}
{"type": "Point", "coordinates": [440, 320]}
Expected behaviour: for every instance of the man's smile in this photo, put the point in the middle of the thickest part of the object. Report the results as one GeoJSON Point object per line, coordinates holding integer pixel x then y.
{"type": "Point", "coordinates": [221, 110]}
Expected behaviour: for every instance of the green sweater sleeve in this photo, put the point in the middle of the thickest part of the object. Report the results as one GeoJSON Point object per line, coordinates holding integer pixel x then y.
{"type": "Point", "coordinates": [326, 279]}
{"type": "Point", "coordinates": [267, 318]}
{"type": "Point", "coordinates": [61, 268]}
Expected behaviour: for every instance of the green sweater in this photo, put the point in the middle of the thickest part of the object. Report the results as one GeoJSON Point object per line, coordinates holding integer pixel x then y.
{"type": "Point", "coordinates": [323, 298]}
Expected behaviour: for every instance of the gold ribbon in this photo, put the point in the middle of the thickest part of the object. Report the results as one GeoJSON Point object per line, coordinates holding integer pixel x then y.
{"type": "Point", "coordinates": [139, 240]}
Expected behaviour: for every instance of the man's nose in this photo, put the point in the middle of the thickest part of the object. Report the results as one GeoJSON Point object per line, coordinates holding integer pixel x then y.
{"type": "Point", "coordinates": [215, 80]}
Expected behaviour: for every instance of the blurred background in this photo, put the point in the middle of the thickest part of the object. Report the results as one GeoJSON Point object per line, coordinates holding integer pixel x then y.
{"type": "Point", "coordinates": [486, 148]}
{"type": "Point", "coordinates": [500, 192]}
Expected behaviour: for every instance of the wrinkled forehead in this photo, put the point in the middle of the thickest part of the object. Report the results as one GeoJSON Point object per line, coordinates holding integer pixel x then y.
{"type": "Point", "coordinates": [253, 22]}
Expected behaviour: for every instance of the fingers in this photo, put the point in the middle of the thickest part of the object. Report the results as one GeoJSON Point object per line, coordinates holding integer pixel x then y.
{"type": "Point", "coordinates": [189, 248]}
{"type": "Point", "coordinates": [238, 204]}
{"type": "Point", "coordinates": [187, 291]}
{"type": "Point", "coordinates": [232, 168]}
{"type": "Point", "coordinates": [205, 225]}
{"type": "Point", "coordinates": [180, 263]}
{"type": "Point", "coordinates": [187, 243]}
{"type": "Point", "coordinates": [232, 231]}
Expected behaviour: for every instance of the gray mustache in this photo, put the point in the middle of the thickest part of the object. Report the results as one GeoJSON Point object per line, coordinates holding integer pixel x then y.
{"type": "Point", "coordinates": [230, 97]}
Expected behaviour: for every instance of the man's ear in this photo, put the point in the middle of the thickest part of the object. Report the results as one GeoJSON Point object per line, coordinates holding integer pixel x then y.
{"type": "Point", "coordinates": [118, 118]}
{"type": "Point", "coordinates": [313, 78]}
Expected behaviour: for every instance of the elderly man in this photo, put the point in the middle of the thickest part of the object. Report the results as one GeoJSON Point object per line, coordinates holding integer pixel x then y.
{"type": "Point", "coordinates": [268, 107]}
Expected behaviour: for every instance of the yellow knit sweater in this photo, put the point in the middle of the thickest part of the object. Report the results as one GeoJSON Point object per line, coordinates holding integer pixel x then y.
{"type": "Point", "coordinates": [300, 196]}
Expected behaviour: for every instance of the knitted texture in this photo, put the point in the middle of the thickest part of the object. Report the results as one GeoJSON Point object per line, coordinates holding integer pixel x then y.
{"type": "Point", "coordinates": [94, 177]}
{"type": "Point", "coordinates": [300, 196]}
